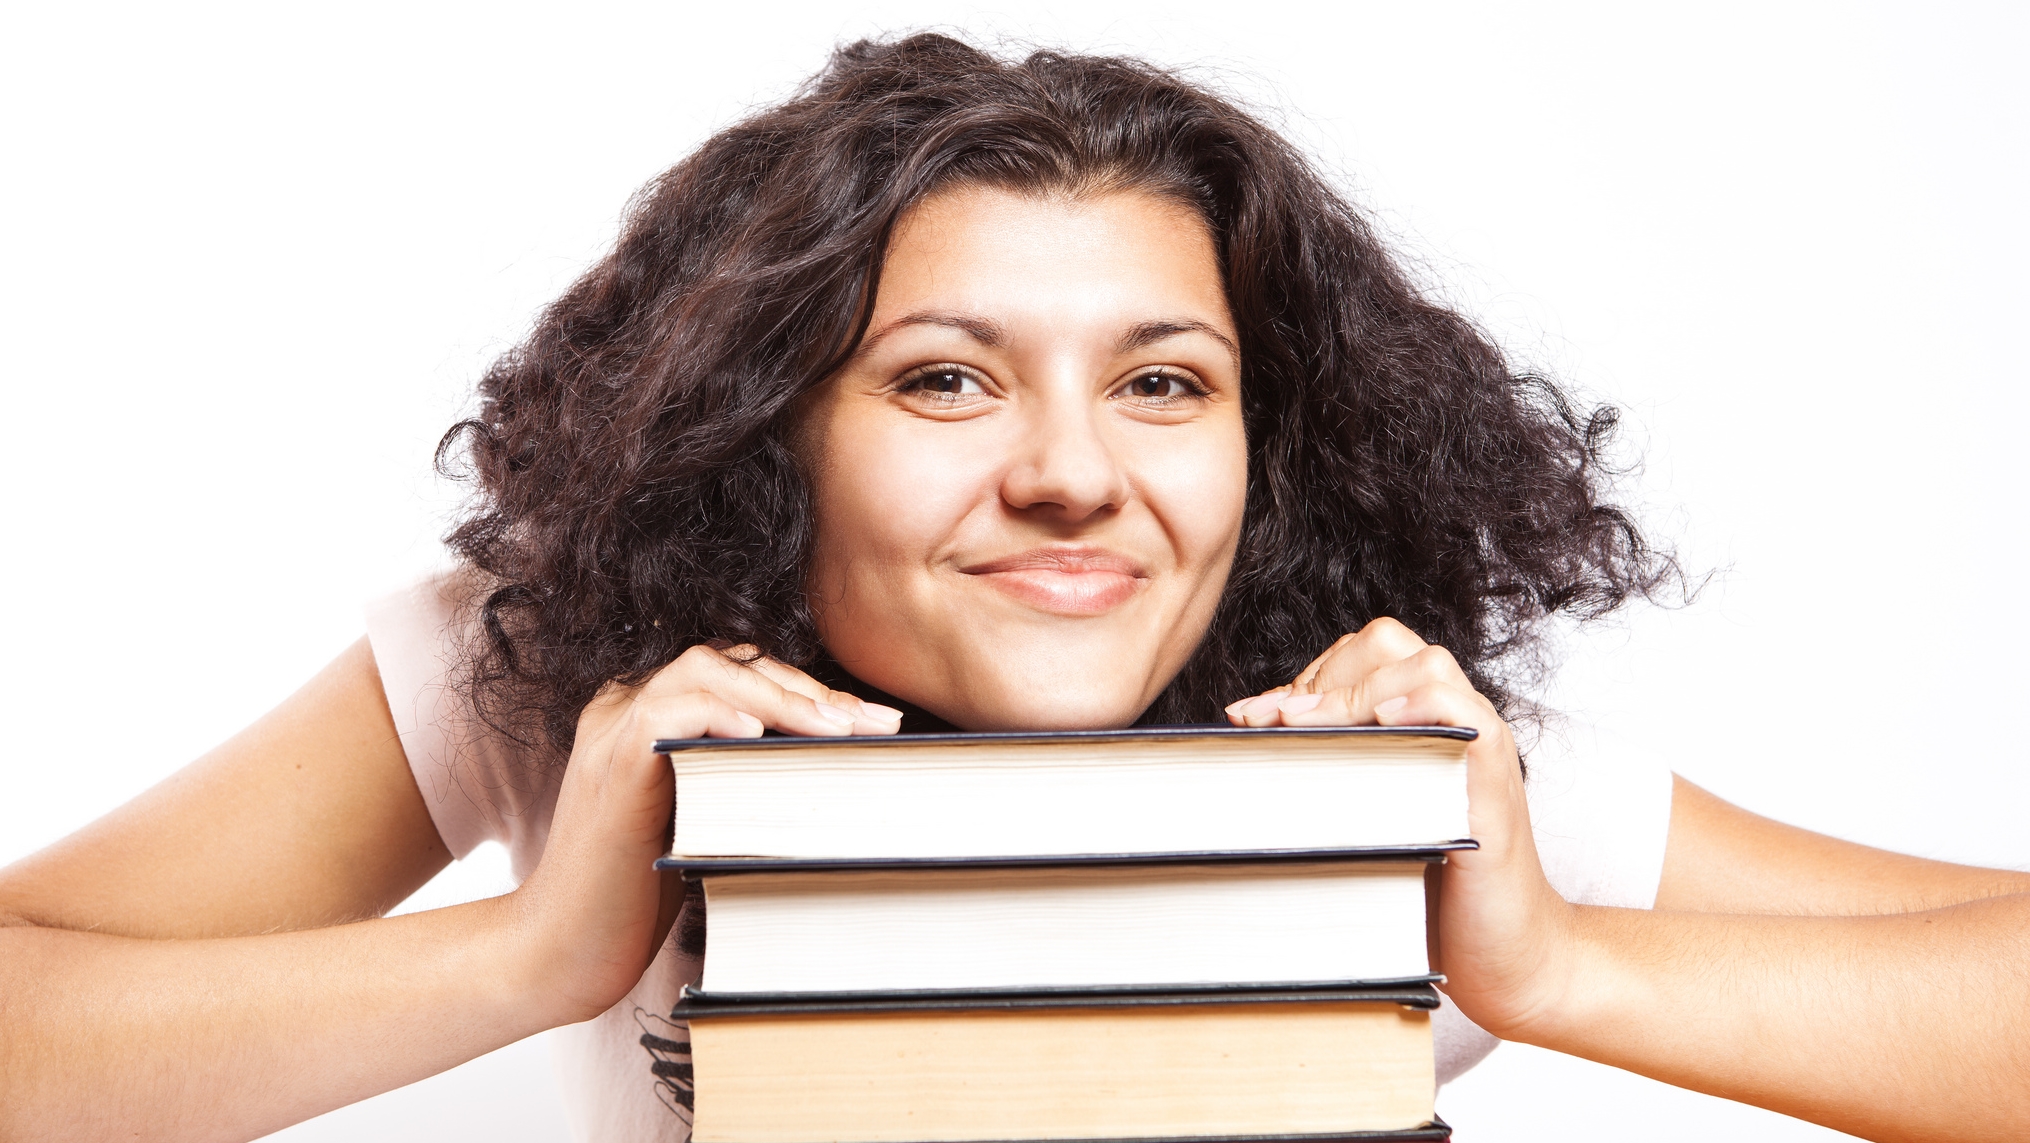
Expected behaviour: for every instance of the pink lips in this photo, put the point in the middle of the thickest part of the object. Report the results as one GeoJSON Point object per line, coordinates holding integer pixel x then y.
{"type": "Point", "coordinates": [1073, 580]}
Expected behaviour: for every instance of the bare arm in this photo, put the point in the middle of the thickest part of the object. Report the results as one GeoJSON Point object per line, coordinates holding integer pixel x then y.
{"type": "Point", "coordinates": [1903, 1026]}
{"type": "Point", "coordinates": [1723, 859]}
{"type": "Point", "coordinates": [208, 963]}
{"type": "Point", "coordinates": [310, 817]}
{"type": "Point", "coordinates": [1880, 994]}
{"type": "Point", "coordinates": [1870, 991]}
{"type": "Point", "coordinates": [137, 989]}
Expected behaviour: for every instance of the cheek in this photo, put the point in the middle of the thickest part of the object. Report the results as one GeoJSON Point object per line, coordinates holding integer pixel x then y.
{"type": "Point", "coordinates": [888, 497]}
{"type": "Point", "coordinates": [1199, 491]}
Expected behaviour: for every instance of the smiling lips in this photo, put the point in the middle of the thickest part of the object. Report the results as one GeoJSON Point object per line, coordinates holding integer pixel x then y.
{"type": "Point", "coordinates": [1064, 581]}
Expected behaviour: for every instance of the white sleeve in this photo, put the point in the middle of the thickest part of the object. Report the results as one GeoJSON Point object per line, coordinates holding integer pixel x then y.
{"type": "Point", "coordinates": [477, 787]}
{"type": "Point", "coordinates": [1600, 806]}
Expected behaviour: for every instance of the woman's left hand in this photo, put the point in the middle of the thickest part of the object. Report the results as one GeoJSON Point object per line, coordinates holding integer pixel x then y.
{"type": "Point", "coordinates": [1503, 931]}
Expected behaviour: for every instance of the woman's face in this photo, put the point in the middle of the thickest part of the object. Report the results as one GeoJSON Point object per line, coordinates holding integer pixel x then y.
{"type": "Point", "coordinates": [1029, 479]}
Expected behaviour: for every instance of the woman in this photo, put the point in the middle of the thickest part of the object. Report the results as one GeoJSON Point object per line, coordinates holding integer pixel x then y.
{"type": "Point", "coordinates": [1056, 394]}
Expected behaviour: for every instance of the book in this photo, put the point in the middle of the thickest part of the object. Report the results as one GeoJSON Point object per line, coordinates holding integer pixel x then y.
{"type": "Point", "coordinates": [963, 927]}
{"type": "Point", "coordinates": [1143, 791]}
{"type": "Point", "coordinates": [1318, 1065]}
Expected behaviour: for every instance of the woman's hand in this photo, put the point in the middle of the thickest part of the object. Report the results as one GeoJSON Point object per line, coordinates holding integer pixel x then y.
{"type": "Point", "coordinates": [595, 908]}
{"type": "Point", "coordinates": [1503, 931]}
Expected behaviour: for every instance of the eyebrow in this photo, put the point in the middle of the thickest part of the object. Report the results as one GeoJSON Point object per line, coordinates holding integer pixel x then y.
{"type": "Point", "coordinates": [993, 335]}
{"type": "Point", "coordinates": [1150, 332]}
{"type": "Point", "coordinates": [986, 332]}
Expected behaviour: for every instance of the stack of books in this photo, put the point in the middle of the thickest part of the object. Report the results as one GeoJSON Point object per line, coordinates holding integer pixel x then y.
{"type": "Point", "coordinates": [1165, 934]}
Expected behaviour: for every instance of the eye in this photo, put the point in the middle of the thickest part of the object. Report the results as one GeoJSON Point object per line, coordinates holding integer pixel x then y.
{"type": "Point", "coordinates": [943, 381]}
{"type": "Point", "coordinates": [1158, 387]}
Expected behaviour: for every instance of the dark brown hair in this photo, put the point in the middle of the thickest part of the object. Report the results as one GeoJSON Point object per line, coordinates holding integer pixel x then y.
{"type": "Point", "coordinates": [638, 489]}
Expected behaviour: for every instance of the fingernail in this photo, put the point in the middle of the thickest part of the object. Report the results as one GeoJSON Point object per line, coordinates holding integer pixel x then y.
{"type": "Point", "coordinates": [1390, 708]}
{"type": "Point", "coordinates": [749, 721]}
{"type": "Point", "coordinates": [1298, 704]}
{"type": "Point", "coordinates": [876, 710]}
{"type": "Point", "coordinates": [1262, 704]}
{"type": "Point", "coordinates": [831, 713]}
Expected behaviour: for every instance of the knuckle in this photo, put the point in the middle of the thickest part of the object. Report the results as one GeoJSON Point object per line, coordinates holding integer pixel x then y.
{"type": "Point", "coordinates": [1329, 664]}
{"type": "Point", "coordinates": [687, 671]}
{"type": "Point", "coordinates": [1437, 659]}
{"type": "Point", "coordinates": [696, 657]}
{"type": "Point", "coordinates": [713, 668]}
{"type": "Point", "coordinates": [1391, 634]}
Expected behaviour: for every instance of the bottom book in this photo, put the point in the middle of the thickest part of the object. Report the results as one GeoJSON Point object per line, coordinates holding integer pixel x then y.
{"type": "Point", "coordinates": [1320, 1065]}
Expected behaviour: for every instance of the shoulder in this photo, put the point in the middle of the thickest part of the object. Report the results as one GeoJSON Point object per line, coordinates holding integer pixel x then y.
{"type": "Point", "coordinates": [478, 785]}
{"type": "Point", "coordinates": [426, 616]}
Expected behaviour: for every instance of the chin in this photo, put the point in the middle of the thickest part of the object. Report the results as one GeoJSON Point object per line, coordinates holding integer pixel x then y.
{"type": "Point", "coordinates": [1012, 705]}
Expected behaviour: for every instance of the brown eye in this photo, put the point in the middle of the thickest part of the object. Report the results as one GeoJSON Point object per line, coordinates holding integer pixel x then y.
{"type": "Point", "coordinates": [944, 382]}
{"type": "Point", "coordinates": [1158, 387]}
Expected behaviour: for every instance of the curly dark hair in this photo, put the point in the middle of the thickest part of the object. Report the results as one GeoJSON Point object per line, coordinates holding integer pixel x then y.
{"type": "Point", "coordinates": [639, 488]}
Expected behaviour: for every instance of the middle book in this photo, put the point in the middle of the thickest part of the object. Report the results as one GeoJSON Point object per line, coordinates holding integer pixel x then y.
{"type": "Point", "coordinates": [1212, 921]}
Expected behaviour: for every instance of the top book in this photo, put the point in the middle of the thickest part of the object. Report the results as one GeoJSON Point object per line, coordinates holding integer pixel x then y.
{"type": "Point", "coordinates": [1194, 791]}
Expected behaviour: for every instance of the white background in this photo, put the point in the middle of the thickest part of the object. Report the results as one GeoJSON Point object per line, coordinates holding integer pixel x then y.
{"type": "Point", "coordinates": [254, 258]}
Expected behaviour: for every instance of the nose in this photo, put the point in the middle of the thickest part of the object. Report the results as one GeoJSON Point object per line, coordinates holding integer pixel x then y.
{"type": "Point", "coordinates": [1064, 466]}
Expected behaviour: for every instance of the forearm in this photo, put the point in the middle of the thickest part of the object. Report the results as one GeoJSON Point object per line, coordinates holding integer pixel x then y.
{"type": "Point", "coordinates": [1892, 1027]}
{"type": "Point", "coordinates": [1723, 859]}
{"type": "Point", "coordinates": [104, 1037]}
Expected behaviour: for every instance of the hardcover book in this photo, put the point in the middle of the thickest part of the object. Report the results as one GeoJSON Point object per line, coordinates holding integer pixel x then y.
{"type": "Point", "coordinates": [964, 927]}
{"type": "Point", "coordinates": [1146, 791]}
{"type": "Point", "coordinates": [1321, 1065]}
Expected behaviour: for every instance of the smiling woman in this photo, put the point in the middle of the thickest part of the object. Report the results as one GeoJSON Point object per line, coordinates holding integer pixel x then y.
{"type": "Point", "coordinates": [958, 392]}
{"type": "Point", "coordinates": [1043, 424]}
{"type": "Point", "coordinates": [648, 457]}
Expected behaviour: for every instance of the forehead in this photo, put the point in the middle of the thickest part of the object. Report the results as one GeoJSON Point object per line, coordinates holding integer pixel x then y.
{"type": "Point", "coordinates": [1045, 256]}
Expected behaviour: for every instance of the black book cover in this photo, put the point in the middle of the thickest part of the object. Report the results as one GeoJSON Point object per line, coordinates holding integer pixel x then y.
{"type": "Point", "coordinates": [674, 745]}
{"type": "Point", "coordinates": [694, 1005]}
{"type": "Point", "coordinates": [696, 867]}
{"type": "Point", "coordinates": [1437, 1129]}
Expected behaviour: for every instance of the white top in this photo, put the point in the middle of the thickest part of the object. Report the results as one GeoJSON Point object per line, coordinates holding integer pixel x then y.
{"type": "Point", "coordinates": [1600, 807]}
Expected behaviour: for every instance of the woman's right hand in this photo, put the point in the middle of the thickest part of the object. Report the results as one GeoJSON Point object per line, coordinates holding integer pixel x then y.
{"type": "Point", "coordinates": [595, 911]}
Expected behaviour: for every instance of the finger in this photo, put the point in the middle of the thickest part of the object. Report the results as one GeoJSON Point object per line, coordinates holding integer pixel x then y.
{"type": "Point", "coordinates": [624, 782]}
{"type": "Point", "coordinates": [868, 717]}
{"type": "Point", "coordinates": [616, 782]}
{"type": "Point", "coordinates": [1436, 704]}
{"type": "Point", "coordinates": [865, 717]}
{"type": "Point", "coordinates": [703, 669]}
{"type": "Point", "coordinates": [1306, 677]}
{"type": "Point", "coordinates": [1356, 656]}
{"type": "Point", "coordinates": [692, 714]}
{"type": "Point", "coordinates": [1350, 658]}
{"type": "Point", "coordinates": [1355, 705]}
{"type": "Point", "coordinates": [1257, 710]}
{"type": "Point", "coordinates": [1498, 807]}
